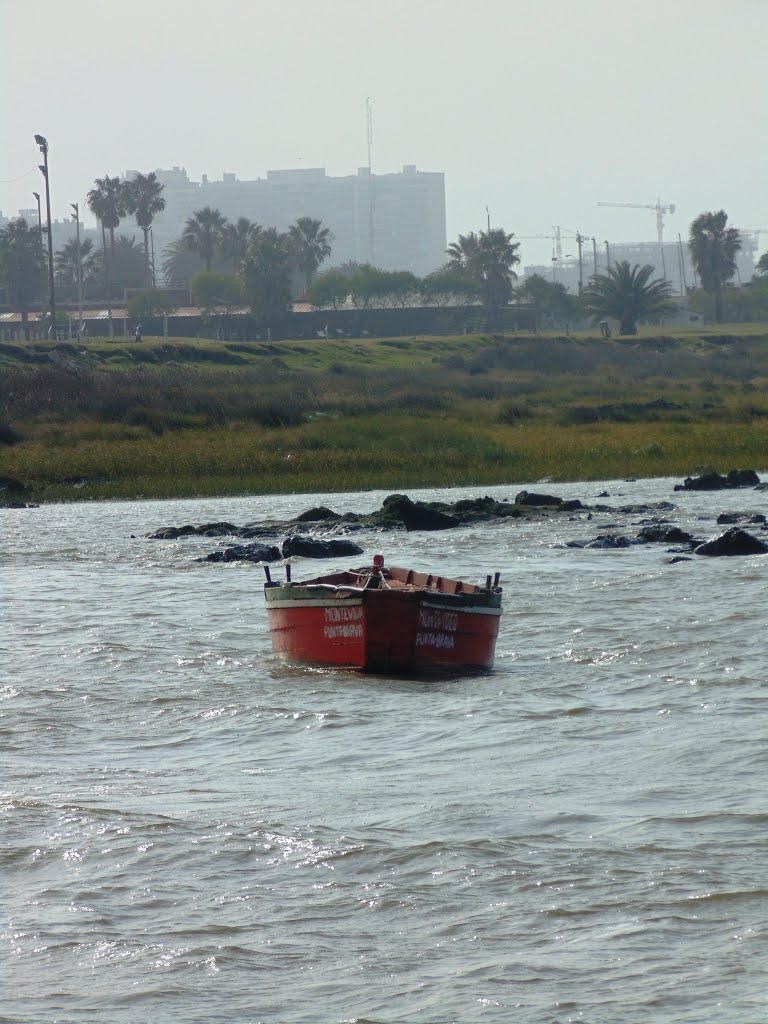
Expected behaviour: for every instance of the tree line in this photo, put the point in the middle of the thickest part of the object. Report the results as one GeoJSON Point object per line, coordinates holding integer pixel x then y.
{"type": "Point", "coordinates": [225, 263]}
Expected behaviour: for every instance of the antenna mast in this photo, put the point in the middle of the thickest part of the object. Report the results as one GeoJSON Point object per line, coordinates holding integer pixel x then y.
{"type": "Point", "coordinates": [369, 136]}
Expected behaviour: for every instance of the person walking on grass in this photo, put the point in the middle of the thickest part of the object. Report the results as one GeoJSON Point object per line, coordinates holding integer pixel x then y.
{"type": "Point", "coordinates": [138, 333]}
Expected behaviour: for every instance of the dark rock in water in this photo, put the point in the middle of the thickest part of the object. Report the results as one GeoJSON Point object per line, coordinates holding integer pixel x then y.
{"type": "Point", "coordinates": [172, 532]}
{"type": "Point", "coordinates": [716, 482]}
{"type": "Point", "coordinates": [742, 518]}
{"type": "Point", "coordinates": [663, 535]}
{"type": "Point", "coordinates": [245, 553]}
{"type": "Point", "coordinates": [13, 493]}
{"type": "Point", "coordinates": [743, 478]}
{"type": "Point", "coordinates": [319, 514]}
{"type": "Point", "coordinates": [309, 547]}
{"type": "Point", "coordinates": [609, 540]}
{"type": "Point", "coordinates": [529, 498]}
{"type": "Point", "coordinates": [415, 515]}
{"type": "Point", "coordinates": [733, 542]}
{"type": "Point", "coordinates": [603, 494]}
{"type": "Point", "coordinates": [679, 558]}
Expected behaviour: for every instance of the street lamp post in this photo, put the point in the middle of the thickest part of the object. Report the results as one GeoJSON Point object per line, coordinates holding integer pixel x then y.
{"type": "Point", "coordinates": [76, 215]}
{"type": "Point", "coordinates": [40, 229]}
{"type": "Point", "coordinates": [43, 144]}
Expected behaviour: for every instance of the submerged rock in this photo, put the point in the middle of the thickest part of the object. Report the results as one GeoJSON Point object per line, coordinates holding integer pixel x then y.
{"type": "Point", "coordinates": [415, 515]}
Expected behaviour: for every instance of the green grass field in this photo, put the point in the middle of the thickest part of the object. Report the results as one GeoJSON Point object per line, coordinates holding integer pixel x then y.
{"type": "Point", "coordinates": [184, 417]}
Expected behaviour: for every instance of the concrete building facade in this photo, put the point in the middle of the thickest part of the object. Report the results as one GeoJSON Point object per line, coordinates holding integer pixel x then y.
{"type": "Point", "coordinates": [394, 221]}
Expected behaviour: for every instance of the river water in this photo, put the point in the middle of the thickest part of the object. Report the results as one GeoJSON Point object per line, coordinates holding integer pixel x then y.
{"type": "Point", "coordinates": [194, 832]}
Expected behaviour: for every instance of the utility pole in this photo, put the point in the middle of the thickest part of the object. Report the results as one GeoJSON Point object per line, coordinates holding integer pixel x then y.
{"type": "Point", "coordinates": [371, 234]}
{"type": "Point", "coordinates": [594, 254]}
{"type": "Point", "coordinates": [43, 144]}
{"type": "Point", "coordinates": [608, 253]}
{"type": "Point", "coordinates": [580, 242]}
{"type": "Point", "coordinates": [76, 215]}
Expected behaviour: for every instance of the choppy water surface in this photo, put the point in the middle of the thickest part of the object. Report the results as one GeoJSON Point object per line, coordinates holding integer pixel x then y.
{"type": "Point", "coordinates": [192, 831]}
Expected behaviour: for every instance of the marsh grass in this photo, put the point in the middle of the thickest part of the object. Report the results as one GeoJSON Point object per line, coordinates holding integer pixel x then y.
{"type": "Point", "coordinates": [391, 413]}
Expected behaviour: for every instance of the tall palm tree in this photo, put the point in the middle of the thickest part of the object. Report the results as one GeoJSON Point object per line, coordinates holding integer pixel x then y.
{"type": "Point", "coordinates": [713, 249]}
{"type": "Point", "coordinates": [464, 254]}
{"type": "Point", "coordinates": [106, 201]}
{"type": "Point", "coordinates": [266, 275]}
{"type": "Point", "coordinates": [236, 237]}
{"type": "Point", "coordinates": [762, 265]}
{"type": "Point", "coordinates": [179, 265]}
{"type": "Point", "coordinates": [68, 259]}
{"type": "Point", "coordinates": [310, 244]}
{"type": "Point", "coordinates": [203, 234]}
{"type": "Point", "coordinates": [144, 199]}
{"type": "Point", "coordinates": [625, 293]}
{"type": "Point", "coordinates": [487, 259]}
{"type": "Point", "coordinates": [21, 266]}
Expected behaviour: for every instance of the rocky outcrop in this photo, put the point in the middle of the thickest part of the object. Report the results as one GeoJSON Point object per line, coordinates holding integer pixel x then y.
{"type": "Point", "coordinates": [733, 542]}
{"type": "Point", "coordinates": [547, 500]}
{"type": "Point", "coordinates": [661, 534]}
{"type": "Point", "coordinates": [716, 482]}
{"type": "Point", "coordinates": [245, 553]}
{"type": "Point", "coordinates": [741, 519]}
{"type": "Point", "coordinates": [311, 547]}
{"type": "Point", "coordinates": [415, 515]}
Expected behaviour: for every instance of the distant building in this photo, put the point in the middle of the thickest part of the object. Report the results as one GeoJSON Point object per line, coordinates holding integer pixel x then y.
{"type": "Point", "coordinates": [395, 221]}
{"type": "Point", "coordinates": [670, 261]}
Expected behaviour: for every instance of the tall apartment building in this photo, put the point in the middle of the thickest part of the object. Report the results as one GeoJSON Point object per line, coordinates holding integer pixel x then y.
{"type": "Point", "coordinates": [394, 221]}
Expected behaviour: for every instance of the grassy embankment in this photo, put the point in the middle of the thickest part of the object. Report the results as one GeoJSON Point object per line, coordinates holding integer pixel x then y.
{"type": "Point", "coordinates": [176, 417]}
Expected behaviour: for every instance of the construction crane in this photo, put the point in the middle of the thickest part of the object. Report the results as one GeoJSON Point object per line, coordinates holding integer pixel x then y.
{"type": "Point", "coordinates": [558, 251]}
{"type": "Point", "coordinates": [658, 206]}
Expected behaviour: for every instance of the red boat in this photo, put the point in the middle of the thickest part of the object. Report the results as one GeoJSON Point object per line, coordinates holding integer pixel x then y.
{"type": "Point", "coordinates": [385, 619]}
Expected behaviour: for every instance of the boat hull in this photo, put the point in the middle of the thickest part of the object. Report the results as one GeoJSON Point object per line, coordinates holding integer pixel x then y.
{"type": "Point", "coordinates": [381, 630]}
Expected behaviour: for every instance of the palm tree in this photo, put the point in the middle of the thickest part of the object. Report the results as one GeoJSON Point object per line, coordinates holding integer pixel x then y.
{"type": "Point", "coordinates": [106, 201]}
{"type": "Point", "coordinates": [235, 240]}
{"type": "Point", "coordinates": [21, 266]}
{"type": "Point", "coordinates": [68, 259]}
{"type": "Point", "coordinates": [625, 293]}
{"type": "Point", "coordinates": [310, 244]}
{"type": "Point", "coordinates": [762, 265]}
{"type": "Point", "coordinates": [179, 265]}
{"type": "Point", "coordinates": [464, 255]}
{"type": "Point", "coordinates": [203, 234]}
{"type": "Point", "coordinates": [713, 249]}
{"type": "Point", "coordinates": [266, 275]}
{"type": "Point", "coordinates": [144, 198]}
{"type": "Point", "coordinates": [487, 259]}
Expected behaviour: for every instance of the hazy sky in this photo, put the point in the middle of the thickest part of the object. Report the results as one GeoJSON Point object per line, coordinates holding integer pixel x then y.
{"type": "Point", "coordinates": [536, 109]}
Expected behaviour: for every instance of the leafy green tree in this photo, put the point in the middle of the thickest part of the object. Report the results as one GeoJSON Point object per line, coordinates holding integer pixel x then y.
{"type": "Point", "coordinates": [487, 259]}
{"type": "Point", "coordinates": [144, 199]}
{"type": "Point", "coordinates": [762, 264]}
{"type": "Point", "coordinates": [203, 234]}
{"type": "Point", "coordinates": [309, 246]}
{"type": "Point", "coordinates": [550, 299]}
{"type": "Point", "coordinates": [627, 294]}
{"type": "Point", "coordinates": [713, 248]}
{"type": "Point", "coordinates": [21, 267]}
{"type": "Point", "coordinates": [364, 286]}
{"type": "Point", "coordinates": [66, 263]}
{"type": "Point", "coordinates": [266, 276]}
{"type": "Point", "coordinates": [449, 286]}
{"type": "Point", "coordinates": [216, 292]}
{"type": "Point", "coordinates": [236, 237]}
{"type": "Point", "coordinates": [150, 303]}
{"type": "Point", "coordinates": [329, 290]}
